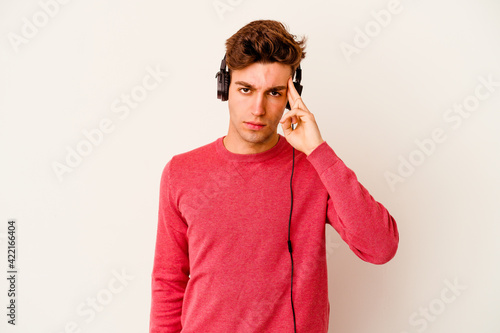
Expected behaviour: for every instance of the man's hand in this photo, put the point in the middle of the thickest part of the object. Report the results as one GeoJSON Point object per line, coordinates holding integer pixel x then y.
{"type": "Point", "coordinates": [306, 136]}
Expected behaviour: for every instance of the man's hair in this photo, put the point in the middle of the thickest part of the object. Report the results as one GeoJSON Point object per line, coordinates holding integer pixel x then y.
{"type": "Point", "coordinates": [264, 41]}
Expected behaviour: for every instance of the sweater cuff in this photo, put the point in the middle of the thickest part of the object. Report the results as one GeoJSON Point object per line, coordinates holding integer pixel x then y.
{"type": "Point", "coordinates": [322, 157]}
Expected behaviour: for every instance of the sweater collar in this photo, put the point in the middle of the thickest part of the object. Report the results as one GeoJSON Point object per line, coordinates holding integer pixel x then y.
{"type": "Point", "coordinates": [276, 150]}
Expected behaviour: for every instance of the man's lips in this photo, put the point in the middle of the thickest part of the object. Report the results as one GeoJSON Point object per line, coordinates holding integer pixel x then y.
{"type": "Point", "coordinates": [254, 126]}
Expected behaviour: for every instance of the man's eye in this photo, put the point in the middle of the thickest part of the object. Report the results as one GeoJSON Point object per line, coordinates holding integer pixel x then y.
{"type": "Point", "coordinates": [245, 90]}
{"type": "Point", "coordinates": [275, 93]}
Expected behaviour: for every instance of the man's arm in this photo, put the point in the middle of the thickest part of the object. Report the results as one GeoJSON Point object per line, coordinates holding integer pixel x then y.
{"type": "Point", "coordinates": [171, 263]}
{"type": "Point", "coordinates": [363, 223]}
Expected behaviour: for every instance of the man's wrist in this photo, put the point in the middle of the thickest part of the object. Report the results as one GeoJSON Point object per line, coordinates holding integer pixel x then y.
{"type": "Point", "coordinates": [311, 150]}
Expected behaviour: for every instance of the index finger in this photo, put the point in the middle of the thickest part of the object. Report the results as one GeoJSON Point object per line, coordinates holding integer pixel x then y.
{"type": "Point", "coordinates": [292, 93]}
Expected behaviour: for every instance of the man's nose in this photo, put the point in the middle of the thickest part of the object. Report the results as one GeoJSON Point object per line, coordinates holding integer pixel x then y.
{"type": "Point", "coordinates": [259, 105]}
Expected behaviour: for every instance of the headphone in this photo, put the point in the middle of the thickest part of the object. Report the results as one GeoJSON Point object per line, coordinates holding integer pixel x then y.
{"type": "Point", "coordinates": [223, 80]}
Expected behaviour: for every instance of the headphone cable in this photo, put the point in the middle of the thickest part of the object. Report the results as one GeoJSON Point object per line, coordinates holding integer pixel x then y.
{"type": "Point", "coordinates": [290, 242]}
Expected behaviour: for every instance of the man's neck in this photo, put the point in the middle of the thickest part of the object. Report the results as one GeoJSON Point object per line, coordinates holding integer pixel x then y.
{"type": "Point", "coordinates": [249, 148]}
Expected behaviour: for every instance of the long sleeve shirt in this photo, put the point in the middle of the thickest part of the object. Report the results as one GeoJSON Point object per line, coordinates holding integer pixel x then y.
{"type": "Point", "coordinates": [221, 258]}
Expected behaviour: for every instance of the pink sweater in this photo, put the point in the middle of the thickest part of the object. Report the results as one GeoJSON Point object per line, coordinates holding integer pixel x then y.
{"type": "Point", "coordinates": [221, 260]}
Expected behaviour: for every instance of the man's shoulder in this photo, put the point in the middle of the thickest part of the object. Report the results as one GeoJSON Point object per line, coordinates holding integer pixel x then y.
{"type": "Point", "coordinates": [195, 156]}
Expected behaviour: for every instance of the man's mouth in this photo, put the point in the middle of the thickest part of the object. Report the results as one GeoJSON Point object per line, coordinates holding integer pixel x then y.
{"type": "Point", "coordinates": [254, 126]}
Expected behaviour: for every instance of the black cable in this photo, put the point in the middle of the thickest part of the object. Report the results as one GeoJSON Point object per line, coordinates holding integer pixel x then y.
{"type": "Point", "coordinates": [290, 242]}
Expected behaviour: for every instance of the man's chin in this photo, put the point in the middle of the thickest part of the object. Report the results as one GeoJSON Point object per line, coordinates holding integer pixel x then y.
{"type": "Point", "coordinates": [257, 137]}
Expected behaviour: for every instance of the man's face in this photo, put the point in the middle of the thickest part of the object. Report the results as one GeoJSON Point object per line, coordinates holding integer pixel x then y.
{"type": "Point", "coordinates": [257, 94]}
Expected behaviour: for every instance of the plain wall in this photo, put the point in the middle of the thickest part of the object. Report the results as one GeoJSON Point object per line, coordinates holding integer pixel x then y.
{"type": "Point", "coordinates": [401, 98]}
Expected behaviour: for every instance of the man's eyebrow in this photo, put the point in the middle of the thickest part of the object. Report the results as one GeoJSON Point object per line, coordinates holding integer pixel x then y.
{"type": "Point", "coordinates": [276, 88]}
{"type": "Point", "coordinates": [248, 85]}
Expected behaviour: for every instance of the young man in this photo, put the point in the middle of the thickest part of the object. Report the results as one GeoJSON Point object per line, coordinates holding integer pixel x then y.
{"type": "Point", "coordinates": [222, 259]}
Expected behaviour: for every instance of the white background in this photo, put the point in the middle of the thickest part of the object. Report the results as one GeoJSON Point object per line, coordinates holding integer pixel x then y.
{"type": "Point", "coordinates": [77, 231]}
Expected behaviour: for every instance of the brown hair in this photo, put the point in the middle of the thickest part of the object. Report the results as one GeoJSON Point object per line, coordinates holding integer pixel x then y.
{"type": "Point", "coordinates": [264, 41]}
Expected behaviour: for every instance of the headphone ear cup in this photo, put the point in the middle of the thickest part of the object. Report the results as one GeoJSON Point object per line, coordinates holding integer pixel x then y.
{"type": "Point", "coordinates": [222, 85]}
{"type": "Point", "coordinates": [219, 84]}
{"type": "Point", "coordinates": [225, 92]}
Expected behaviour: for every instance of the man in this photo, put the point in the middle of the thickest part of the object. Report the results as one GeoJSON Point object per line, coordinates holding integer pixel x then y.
{"type": "Point", "coordinates": [222, 258]}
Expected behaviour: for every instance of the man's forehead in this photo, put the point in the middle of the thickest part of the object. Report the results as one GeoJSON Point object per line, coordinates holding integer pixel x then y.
{"type": "Point", "coordinates": [262, 75]}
